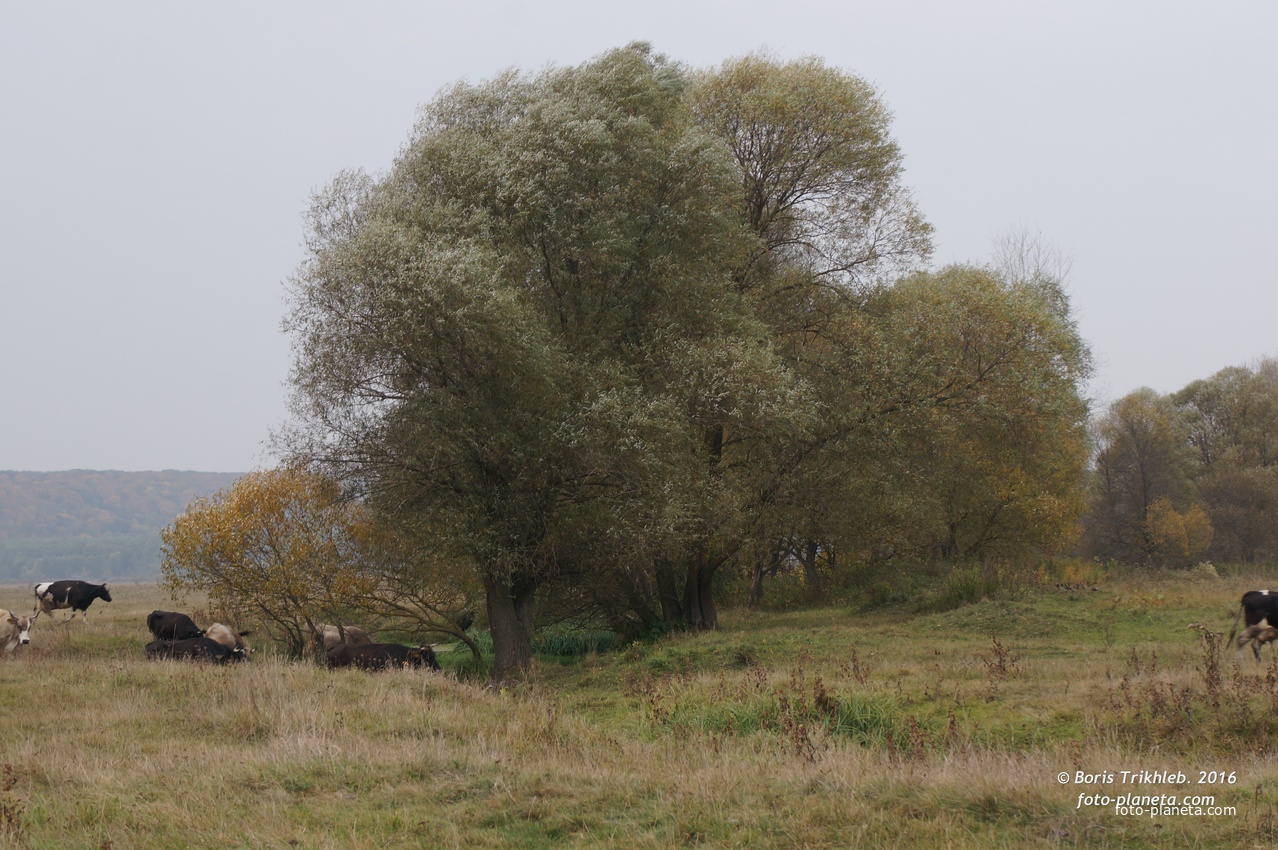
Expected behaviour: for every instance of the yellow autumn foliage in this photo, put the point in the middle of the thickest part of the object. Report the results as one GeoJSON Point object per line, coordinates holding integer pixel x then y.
{"type": "Point", "coordinates": [280, 547]}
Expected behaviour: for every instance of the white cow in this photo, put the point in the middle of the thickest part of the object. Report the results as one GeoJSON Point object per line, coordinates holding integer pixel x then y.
{"type": "Point", "coordinates": [227, 636]}
{"type": "Point", "coordinates": [328, 637]}
{"type": "Point", "coordinates": [15, 630]}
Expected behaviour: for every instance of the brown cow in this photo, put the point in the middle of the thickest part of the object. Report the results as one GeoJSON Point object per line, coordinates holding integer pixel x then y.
{"type": "Point", "coordinates": [1257, 635]}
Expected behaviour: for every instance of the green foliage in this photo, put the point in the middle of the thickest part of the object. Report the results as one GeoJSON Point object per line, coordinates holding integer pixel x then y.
{"type": "Point", "coordinates": [865, 719]}
{"type": "Point", "coordinates": [574, 643]}
{"type": "Point", "coordinates": [990, 459]}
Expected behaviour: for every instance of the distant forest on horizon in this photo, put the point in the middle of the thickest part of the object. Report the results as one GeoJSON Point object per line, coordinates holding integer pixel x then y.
{"type": "Point", "coordinates": [92, 524]}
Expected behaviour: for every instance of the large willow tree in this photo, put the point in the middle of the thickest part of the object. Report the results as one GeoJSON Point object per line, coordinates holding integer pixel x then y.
{"type": "Point", "coordinates": [514, 342]}
{"type": "Point", "coordinates": [602, 330]}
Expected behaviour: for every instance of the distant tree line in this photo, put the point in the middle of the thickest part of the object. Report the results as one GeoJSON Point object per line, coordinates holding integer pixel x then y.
{"type": "Point", "coordinates": [1191, 475]}
{"type": "Point", "coordinates": [91, 524]}
{"type": "Point", "coordinates": [33, 559]}
{"type": "Point", "coordinates": [93, 503]}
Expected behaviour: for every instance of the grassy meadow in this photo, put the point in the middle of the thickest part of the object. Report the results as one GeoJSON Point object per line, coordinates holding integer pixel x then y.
{"type": "Point", "coordinates": [827, 727]}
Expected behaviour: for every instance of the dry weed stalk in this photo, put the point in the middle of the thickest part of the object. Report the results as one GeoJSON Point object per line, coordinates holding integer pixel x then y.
{"type": "Point", "coordinates": [855, 668]}
{"type": "Point", "coordinates": [1002, 662]}
{"type": "Point", "coordinates": [13, 811]}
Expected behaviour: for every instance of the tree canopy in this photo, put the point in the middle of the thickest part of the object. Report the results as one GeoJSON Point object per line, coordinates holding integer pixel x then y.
{"type": "Point", "coordinates": [602, 332]}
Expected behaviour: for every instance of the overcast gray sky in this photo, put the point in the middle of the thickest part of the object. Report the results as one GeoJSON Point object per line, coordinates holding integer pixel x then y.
{"type": "Point", "coordinates": [157, 158]}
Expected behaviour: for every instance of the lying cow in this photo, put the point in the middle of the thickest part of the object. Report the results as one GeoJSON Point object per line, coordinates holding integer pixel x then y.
{"type": "Point", "coordinates": [1257, 635]}
{"type": "Point", "coordinates": [15, 631]}
{"type": "Point", "coordinates": [195, 649]}
{"type": "Point", "coordinates": [1256, 606]}
{"type": "Point", "coordinates": [327, 638]}
{"type": "Point", "coordinates": [171, 625]}
{"type": "Point", "coordinates": [228, 637]}
{"type": "Point", "coordinates": [381, 656]}
{"type": "Point", "coordinates": [76, 595]}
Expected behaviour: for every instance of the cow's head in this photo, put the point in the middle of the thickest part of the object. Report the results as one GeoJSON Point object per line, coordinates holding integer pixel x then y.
{"type": "Point", "coordinates": [104, 594]}
{"type": "Point", "coordinates": [423, 656]}
{"type": "Point", "coordinates": [23, 625]}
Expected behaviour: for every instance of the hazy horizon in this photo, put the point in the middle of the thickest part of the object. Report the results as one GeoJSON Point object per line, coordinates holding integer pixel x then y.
{"type": "Point", "coordinates": [160, 158]}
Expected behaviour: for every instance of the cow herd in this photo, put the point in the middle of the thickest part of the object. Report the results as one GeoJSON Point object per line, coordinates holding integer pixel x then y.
{"type": "Point", "coordinates": [176, 635]}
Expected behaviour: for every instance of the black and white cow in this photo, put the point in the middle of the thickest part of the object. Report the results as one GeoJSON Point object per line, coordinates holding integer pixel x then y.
{"type": "Point", "coordinates": [76, 595]}
{"type": "Point", "coordinates": [15, 631]}
{"type": "Point", "coordinates": [194, 649]}
{"type": "Point", "coordinates": [381, 656]}
{"type": "Point", "coordinates": [1256, 606]}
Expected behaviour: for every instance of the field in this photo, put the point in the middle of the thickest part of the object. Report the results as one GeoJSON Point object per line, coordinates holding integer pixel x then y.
{"type": "Point", "coordinates": [813, 728]}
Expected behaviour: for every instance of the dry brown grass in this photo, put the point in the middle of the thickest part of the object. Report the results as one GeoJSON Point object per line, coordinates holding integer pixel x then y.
{"type": "Point", "coordinates": [814, 729]}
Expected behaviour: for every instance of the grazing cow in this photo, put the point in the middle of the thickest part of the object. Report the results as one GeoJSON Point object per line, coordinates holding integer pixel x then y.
{"type": "Point", "coordinates": [171, 625]}
{"type": "Point", "coordinates": [328, 637]}
{"type": "Point", "coordinates": [76, 595]}
{"type": "Point", "coordinates": [1256, 605]}
{"type": "Point", "coordinates": [228, 637]}
{"type": "Point", "coordinates": [196, 649]}
{"type": "Point", "coordinates": [1257, 636]}
{"type": "Point", "coordinates": [381, 656]}
{"type": "Point", "coordinates": [14, 630]}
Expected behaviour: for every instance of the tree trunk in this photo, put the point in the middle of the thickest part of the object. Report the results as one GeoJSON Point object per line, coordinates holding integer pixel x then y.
{"type": "Point", "coordinates": [510, 607]}
{"type": "Point", "coordinates": [756, 582]}
{"type": "Point", "coordinates": [668, 591]}
{"type": "Point", "coordinates": [811, 578]}
{"type": "Point", "coordinates": [698, 600]}
{"type": "Point", "coordinates": [709, 614]}
{"type": "Point", "coordinates": [692, 595]}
